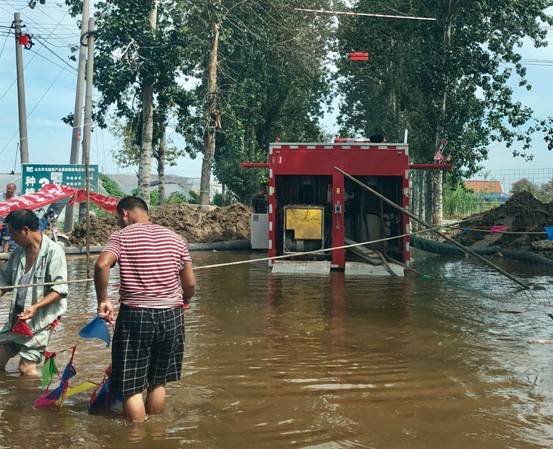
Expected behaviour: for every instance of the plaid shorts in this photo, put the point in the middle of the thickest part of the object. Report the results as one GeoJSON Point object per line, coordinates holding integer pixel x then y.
{"type": "Point", "coordinates": [147, 350]}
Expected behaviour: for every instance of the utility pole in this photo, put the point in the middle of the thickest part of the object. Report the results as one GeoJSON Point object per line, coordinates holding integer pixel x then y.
{"type": "Point", "coordinates": [76, 131]}
{"type": "Point", "coordinates": [87, 128]}
{"type": "Point", "coordinates": [145, 167]}
{"type": "Point", "coordinates": [213, 120]}
{"type": "Point", "coordinates": [88, 131]}
{"type": "Point", "coordinates": [23, 140]}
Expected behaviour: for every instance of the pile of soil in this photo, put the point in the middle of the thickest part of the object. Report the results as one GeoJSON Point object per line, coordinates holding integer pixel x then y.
{"type": "Point", "coordinates": [521, 213]}
{"type": "Point", "coordinates": [190, 222]}
{"type": "Point", "coordinates": [100, 230]}
{"type": "Point", "coordinates": [199, 226]}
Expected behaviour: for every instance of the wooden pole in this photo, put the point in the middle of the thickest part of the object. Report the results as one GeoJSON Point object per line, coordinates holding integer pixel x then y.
{"type": "Point", "coordinates": [88, 131]}
{"type": "Point", "coordinates": [441, 234]}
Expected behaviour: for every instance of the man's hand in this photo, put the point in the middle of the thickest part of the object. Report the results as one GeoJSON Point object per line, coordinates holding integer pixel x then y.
{"type": "Point", "coordinates": [105, 311]}
{"type": "Point", "coordinates": [28, 313]}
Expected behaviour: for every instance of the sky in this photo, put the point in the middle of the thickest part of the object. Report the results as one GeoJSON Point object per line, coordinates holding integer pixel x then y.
{"type": "Point", "coordinates": [50, 80]}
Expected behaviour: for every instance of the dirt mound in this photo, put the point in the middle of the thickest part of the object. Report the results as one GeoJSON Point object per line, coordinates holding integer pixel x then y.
{"type": "Point", "coordinates": [192, 223]}
{"type": "Point", "coordinates": [100, 230]}
{"type": "Point", "coordinates": [197, 225]}
{"type": "Point", "coordinates": [522, 214]}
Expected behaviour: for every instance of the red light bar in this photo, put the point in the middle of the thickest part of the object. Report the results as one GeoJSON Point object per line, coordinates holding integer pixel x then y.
{"type": "Point", "coordinates": [358, 56]}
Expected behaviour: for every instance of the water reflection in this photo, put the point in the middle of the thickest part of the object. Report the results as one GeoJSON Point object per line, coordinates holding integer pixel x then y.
{"type": "Point", "coordinates": [323, 362]}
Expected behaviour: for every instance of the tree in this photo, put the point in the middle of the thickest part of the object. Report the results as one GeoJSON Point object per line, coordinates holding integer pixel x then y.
{"type": "Point", "coordinates": [272, 78]}
{"type": "Point", "coordinates": [138, 67]}
{"type": "Point", "coordinates": [128, 153]}
{"type": "Point", "coordinates": [448, 79]}
{"type": "Point", "coordinates": [545, 193]}
{"type": "Point", "coordinates": [524, 185]}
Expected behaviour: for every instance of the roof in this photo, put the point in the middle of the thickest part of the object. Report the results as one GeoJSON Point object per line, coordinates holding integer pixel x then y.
{"type": "Point", "coordinates": [484, 186]}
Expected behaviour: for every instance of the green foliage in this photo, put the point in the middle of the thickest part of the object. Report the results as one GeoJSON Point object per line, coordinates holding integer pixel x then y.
{"type": "Point", "coordinates": [543, 192]}
{"type": "Point", "coordinates": [111, 187]}
{"type": "Point", "coordinates": [220, 199]}
{"type": "Point", "coordinates": [525, 185]}
{"type": "Point", "coordinates": [460, 202]}
{"type": "Point", "coordinates": [273, 77]}
{"type": "Point", "coordinates": [193, 197]}
{"type": "Point", "coordinates": [448, 79]}
{"type": "Point", "coordinates": [128, 56]}
{"type": "Point", "coordinates": [154, 196]}
{"type": "Point", "coordinates": [177, 198]}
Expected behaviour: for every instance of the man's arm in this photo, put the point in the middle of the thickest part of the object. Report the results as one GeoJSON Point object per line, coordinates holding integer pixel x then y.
{"type": "Point", "coordinates": [30, 311]}
{"type": "Point", "coordinates": [101, 281]}
{"type": "Point", "coordinates": [187, 280]}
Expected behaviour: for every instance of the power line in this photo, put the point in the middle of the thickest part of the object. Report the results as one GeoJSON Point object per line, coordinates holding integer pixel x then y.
{"type": "Point", "coordinates": [29, 61]}
{"type": "Point", "coordinates": [52, 62]}
{"type": "Point", "coordinates": [364, 14]}
{"type": "Point", "coordinates": [36, 106]}
{"type": "Point", "coordinates": [4, 46]}
{"type": "Point", "coordinates": [56, 55]}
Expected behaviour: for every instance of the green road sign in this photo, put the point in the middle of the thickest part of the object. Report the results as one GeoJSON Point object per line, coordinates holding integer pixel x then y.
{"type": "Point", "coordinates": [34, 176]}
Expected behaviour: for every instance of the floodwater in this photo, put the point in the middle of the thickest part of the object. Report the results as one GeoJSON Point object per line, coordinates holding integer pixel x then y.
{"type": "Point", "coordinates": [326, 363]}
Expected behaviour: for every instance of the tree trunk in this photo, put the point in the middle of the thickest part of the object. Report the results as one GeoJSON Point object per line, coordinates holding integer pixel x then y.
{"type": "Point", "coordinates": [212, 118]}
{"type": "Point", "coordinates": [161, 165]}
{"type": "Point", "coordinates": [438, 200]}
{"type": "Point", "coordinates": [436, 179]}
{"type": "Point", "coordinates": [145, 166]}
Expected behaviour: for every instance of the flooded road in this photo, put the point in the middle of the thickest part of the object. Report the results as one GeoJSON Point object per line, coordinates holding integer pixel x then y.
{"type": "Point", "coordinates": [326, 363]}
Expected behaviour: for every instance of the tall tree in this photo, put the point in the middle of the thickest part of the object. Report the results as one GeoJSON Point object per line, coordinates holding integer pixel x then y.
{"type": "Point", "coordinates": [450, 79]}
{"type": "Point", "coordinates": [147, 85]}
{"type": "Point", "coordinates": [213, 120]}
{"type": "Point", "coordinates": [137, 69]}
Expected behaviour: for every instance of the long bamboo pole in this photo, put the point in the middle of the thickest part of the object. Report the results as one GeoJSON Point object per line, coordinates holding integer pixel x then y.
{"type": "Point", "coordinates": [441, 234]}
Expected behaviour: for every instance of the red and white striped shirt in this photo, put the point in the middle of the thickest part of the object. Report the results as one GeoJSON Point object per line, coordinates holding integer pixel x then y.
{"type": "Point", "coordinates": [150, 258]}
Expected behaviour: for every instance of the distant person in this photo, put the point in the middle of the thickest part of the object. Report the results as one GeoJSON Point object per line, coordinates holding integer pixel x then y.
{"type": "Point", "coordinates": [9, 194]}
{"type": "Point", "coordinates": [37, 259]}
{"type": "Point", "coordinates": [260, 202]}
{"type": "Point", "coordinates": [8, 243]}
{"type": "Point", "coordinates": [156, 281]}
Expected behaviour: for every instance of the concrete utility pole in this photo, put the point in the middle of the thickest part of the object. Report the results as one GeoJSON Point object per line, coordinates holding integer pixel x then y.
{"type": "Point", "coordinates": [213, 120]}
{"type": "Point", "coordinates": [77, 120]}
{"type": "Point", "coordinates": [23, 140]}
{"type": "Point", "coordinates": [145, 166]}
{"type": "Point", "coordinates": [85, 158]}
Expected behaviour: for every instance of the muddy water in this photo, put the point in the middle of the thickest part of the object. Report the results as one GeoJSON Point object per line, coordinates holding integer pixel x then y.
{"type": "Point", "coordinates": [324, 363]}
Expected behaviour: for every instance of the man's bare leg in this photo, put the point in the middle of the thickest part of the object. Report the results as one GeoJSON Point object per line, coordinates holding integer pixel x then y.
{"type": "Point", "coordinates": [4, 357]}
{"type": "Point", "coordinates": [155, 400]}
{"type": "Point", "coordinates": [134, 408]}
{"type": "Point", "coordinates": [28, 368]}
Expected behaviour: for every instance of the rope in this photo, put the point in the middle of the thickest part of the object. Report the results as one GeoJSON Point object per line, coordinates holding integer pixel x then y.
{"type": "Point", "coordinates": [504, 232]}
{"type": "Point", "coordinates": [241, 262]}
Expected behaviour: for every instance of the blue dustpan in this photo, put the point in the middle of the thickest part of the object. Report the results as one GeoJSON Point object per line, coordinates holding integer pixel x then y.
{"type": "Point", "coordinates": [97, 328]}
{"type": "Point", "coordinates": [549, 232]}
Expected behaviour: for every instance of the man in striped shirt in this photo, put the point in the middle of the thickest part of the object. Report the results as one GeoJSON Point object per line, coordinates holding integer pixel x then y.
{"type": "Point", "coordinates": [156, 281]}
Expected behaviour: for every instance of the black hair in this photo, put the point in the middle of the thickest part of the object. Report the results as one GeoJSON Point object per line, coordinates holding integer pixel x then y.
{"type": "Point", "coordinates": [131, 202]}
{"type": "Point", "coordinates": [22, 218]}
